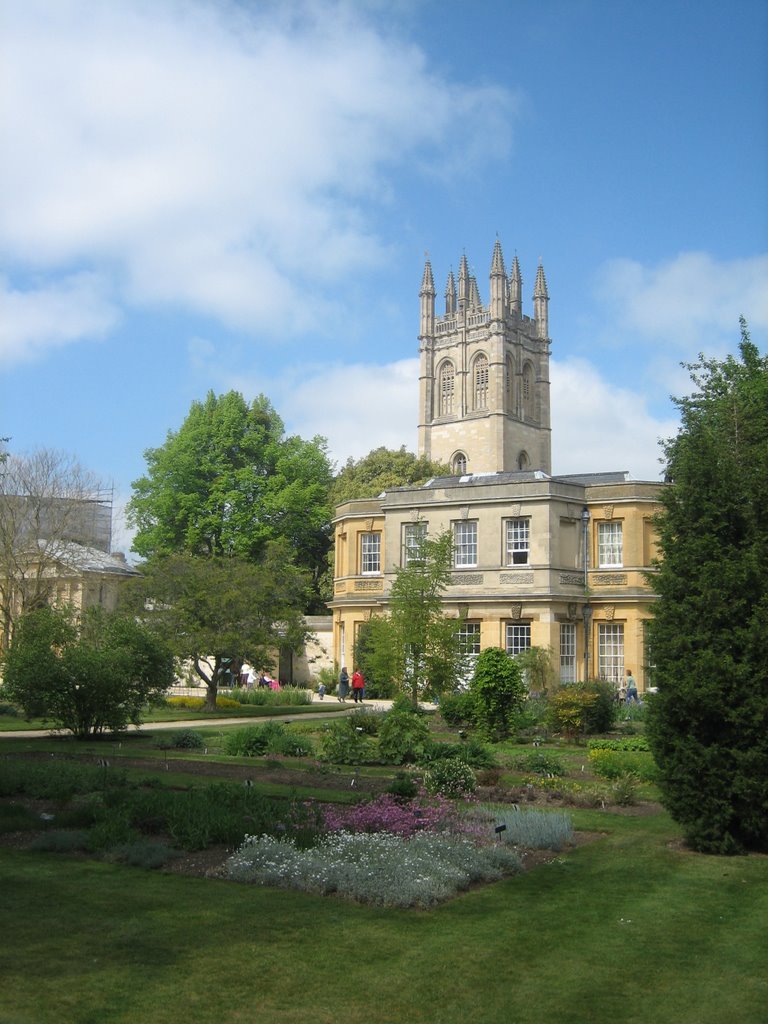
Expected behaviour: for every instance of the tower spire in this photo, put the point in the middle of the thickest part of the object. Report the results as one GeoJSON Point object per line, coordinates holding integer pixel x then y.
{"type": "Point", "coordinates": [516, 288]}
{"type": "Point", "coordinates": [427, 299]}
{"type": "Point", "coordinates": [541, 303]}
{"type": "Point", "coordinates": [463, 283]}
{"type": "Point", "coordinates": [498, 284]}
{"type": "Point", "coordinates": [450, 295]}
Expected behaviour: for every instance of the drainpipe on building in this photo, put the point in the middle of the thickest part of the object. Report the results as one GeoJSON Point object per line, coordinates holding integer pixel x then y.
{"type": "Point", "coordinates": [587, 610]}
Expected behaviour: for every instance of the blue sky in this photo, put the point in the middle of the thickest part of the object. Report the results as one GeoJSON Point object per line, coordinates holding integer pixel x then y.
{"type": "Point", "coordinates": [214, 195]}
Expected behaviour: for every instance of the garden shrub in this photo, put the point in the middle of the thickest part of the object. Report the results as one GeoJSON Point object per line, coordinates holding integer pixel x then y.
{"type": "Point", "coordinates": [145, 853]}
{"type": "Point", "coordinates": [269, 738]}
{"type": "Point", "coordinates": [198, 703]}
{"type": "Point", "coordinates": [403, 787]}
{"type": "Point", "coordinates": [367, 720]}
{"type": "Point", "coordinates": [534, 830]}
{"type": "Point", "coordinates": [404, 737]}
{"type": "Point", "coordinates": [612, 764]}
{"type": "Point", "coordinates": [61, 841]}
{"type": "Point", "coordinates": [451, 777]}
{"type": "Point", "coordinates": [540, 763]}
{"type": "Point", "coordinates": [457, 708]}
{"type": "Point", "coordinates": [624, 790]}
{"type": "Point", "coordinates": [342, 743]}
{"type": "Point", "coordinates": [186, 739]}
{"type": "Point", "coordinates": [637, 743]}
{"type": "Point", "coordinates": [9, 710]}
{"type": "Point", "coordinates": [381, 869]}
{"type": "Point", "coordinates": [498, 693]}
{"type": "Point", "coordinates": [568, 710]}
{"type": "Point", "coordinates": [475, 753]}
{"type": "Point", "coordinates": [112, 827]}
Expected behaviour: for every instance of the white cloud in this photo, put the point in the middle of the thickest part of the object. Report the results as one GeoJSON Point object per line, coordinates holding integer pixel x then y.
{"type": "Point", "coordinates": [693, 299]}
{"type": "Point", "coordinates": [36, 319]}
{"type": "Point", "coordinates": [217, 157]}
{"type": "Point", "coordinates": [597, 426]}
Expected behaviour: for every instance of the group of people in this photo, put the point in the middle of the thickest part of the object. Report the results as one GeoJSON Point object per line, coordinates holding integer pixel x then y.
{"type": "Point", "coordinates": [357, 684]}
{"type": "Point", "coordinates": [628, 694]}
{"type": "Point", "coordinates": [249, 678]}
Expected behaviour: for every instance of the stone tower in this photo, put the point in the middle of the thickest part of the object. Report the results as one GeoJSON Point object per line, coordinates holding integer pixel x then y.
{"type": "Point", "coordinates": [484, 373]}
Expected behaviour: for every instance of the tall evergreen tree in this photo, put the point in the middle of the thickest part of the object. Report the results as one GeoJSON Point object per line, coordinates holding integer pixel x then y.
{"type": "Point", "coordinates": [708, 724]}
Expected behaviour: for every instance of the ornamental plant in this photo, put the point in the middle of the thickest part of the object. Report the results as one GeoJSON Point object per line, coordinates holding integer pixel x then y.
{"type": "Point", "coordinates": [451, 777]}
{"type": "Point", "coordinates": [498, 693]}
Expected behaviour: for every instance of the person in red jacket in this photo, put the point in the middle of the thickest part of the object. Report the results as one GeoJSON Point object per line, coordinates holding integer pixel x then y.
{"type": "Point", "coordinates": [358, 686]}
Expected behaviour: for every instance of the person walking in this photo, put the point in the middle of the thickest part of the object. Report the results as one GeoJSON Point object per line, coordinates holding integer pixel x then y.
{"type": "Point", "coordinates": [632, 697]}
{"type": "Point", "coordinates": [358, 686]}
{"type": "Point", "coordinates": [343, 689]}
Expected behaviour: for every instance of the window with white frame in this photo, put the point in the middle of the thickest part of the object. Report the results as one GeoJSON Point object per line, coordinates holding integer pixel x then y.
{"type": "Point", "coordinates": [414, 535]}
{"type": "Point", "coordinates": [610, 652]}
{"type": "Point", "coordinates": [481, 382]}
{"type": "Point", "coordinates": [469, 638]}
{"type": "Point", "coordinates": [446, 382]}
{"type": "Point", "coordinates": [567, 652]}
{"type": "Point", "coordinates": [465, 544]}
{"type": "Point", "coordinates": [459, 464]}
{"type": "Point", "coordinates": [517, 542]}
{"type": "Point", "coordinates": [610, 547]}
{"type": "Point", "coordinates": [518, 637]}
{"type": "Point", "coordinates": [370, 553]}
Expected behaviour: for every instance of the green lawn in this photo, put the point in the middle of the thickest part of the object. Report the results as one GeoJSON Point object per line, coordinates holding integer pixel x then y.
{"type": "Point", "coordinates": [628, 928]}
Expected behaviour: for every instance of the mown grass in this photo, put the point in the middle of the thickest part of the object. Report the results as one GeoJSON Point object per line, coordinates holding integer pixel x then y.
{"type": "Point", "coordinates": [629, 928]}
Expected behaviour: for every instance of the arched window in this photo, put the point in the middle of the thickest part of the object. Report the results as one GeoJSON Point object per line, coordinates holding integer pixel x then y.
{"type": "Point", "coordinates": [523, 462]}
{"type": "Point", "coordinates": [509, 378]}
{"type": "Point", "coordinates": [446, 381]}
{"type": "Point", "coordinates": [528, 390]}
{"type": "Point", "coordinates": [480, 377]}
{"type": "Point", "coordinates": [459, 463]}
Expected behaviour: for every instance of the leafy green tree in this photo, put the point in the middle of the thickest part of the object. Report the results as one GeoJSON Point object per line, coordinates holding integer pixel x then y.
{"type": "Point", "coordinates": [708, 723]}
{"type": "Point", "coordinates": [538, 670]}
{"type": "Point", "coordinates": [88, 676]}
{"type": "Point", "coordinates": [228, 482]}
{"type": "Point", "coordinates": [381, 470]}
{"type": "Point", "coordinates": [498, 692]}
{"type": "Point", "coordinates": [417, 646]}
{"type": "Point", "coordinates": [216, 612]}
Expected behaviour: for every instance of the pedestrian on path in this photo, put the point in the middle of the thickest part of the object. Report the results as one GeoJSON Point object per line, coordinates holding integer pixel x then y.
{"type": "Point", "coordinates": [358, 686]}
{"type": "Point", "coordinates": [343, 690]}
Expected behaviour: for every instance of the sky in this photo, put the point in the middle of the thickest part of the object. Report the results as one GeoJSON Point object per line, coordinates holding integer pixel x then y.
{"type": "Point", "coordinates": [208, 195]}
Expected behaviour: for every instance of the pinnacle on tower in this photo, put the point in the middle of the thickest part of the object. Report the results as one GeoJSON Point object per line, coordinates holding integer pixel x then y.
{"type": "Point", "coordinates": [450, 295]}
{"type": "Point", "coordinates": [463, 283]}
{"type": "Point", "coordinates": [516, 288]}
{"type": "Point", "coordinates": [427, 299]}
{"type": "Point", "coordinates": [427, 281]}
{"type": "Point", "coordinates": [541, 303]}
{"type": "Point", "coordinates": [499, 293]}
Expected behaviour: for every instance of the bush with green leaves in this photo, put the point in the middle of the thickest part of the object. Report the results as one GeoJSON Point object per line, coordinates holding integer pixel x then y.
{"type": "Point", "coordinates": [612, 764]}
{"type": "Point", "coordinates": [404, 736]}
{"type": "Point", "coordinates": [637, 743]}
{"type": "Point", "coordinates": [457, 708]}
{"type": "Point", "coordinates": [541, 762]}
{"type": "Point", "coordinates": [403, 786]}
{"type": "Point", "coordinates": [498, 693]}
{"type": "Point", "coordinates": [581, 708]}
{"type": "Point", "coordinates": [186, 739]}
{"type": "Point", "coordinates": [451, 777]}
{"type": "Point", "coordinates": [344, 743]}
{"type": "Point", "coordinates": [473, 751]}
{"type": "Point", "coordinates": [269, 738]}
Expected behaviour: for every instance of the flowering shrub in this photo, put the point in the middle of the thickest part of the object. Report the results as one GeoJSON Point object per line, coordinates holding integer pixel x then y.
{"type": "Point", "coordinates": [388, 814]}
{"type": "Point", "coordinates": [451, 777]}
{"type": "Point", "coordinates": [196, 703]}
{"type": "Point", "coordinates": [382, 869]}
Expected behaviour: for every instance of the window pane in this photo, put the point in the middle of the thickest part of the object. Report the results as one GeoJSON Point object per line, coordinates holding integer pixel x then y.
{"type": "Point", "coordinates": [370, 553]}
{"type": "Point", "coordinates": [567, 652]}
{"type": "Point", "coordinates": [481, 382]}
{"type": "Point", "coordinates": [610, 652]}
{"type": "Point", "coordinates": [465, 543]}
{"type": "Point", "coordinates": [517, 541]}
{"type": "Point", "coordinates": [609, 544]}
{"type": "Point", "coordinates": [446, 389]}
{"type": "Point", "coordinates": [518, 638]}
{"type": "Point", "coordinates": [413, 535]}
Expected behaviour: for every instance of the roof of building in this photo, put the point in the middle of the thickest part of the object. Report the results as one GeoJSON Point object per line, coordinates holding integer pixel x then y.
{"type": "Point", "coordinates": [527, 476]}
{"type": "Point", "coordinates": [82, 558]}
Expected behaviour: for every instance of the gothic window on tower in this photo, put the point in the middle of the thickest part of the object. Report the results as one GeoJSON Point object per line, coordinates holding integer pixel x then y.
{"type": "Point", "coordinates": [528, 391]}
{"type": "Point", "coordinates": [446, 383]}
{"type": "Point", "coordinates": [523, 462]}
{"type": "Point", "coordinates": [481, 382]}
{"type": "Point", "coordinates": [509, 378]}
{"type": "Point", "coordinates": [459, 463]}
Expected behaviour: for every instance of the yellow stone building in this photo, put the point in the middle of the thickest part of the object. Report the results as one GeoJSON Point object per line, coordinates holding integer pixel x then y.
{"type": "Point", "coordinates": [539, 560]}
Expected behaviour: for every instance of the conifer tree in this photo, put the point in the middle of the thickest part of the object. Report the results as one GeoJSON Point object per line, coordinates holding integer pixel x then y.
{"type": "Point", "coordinates": [708, 723]}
